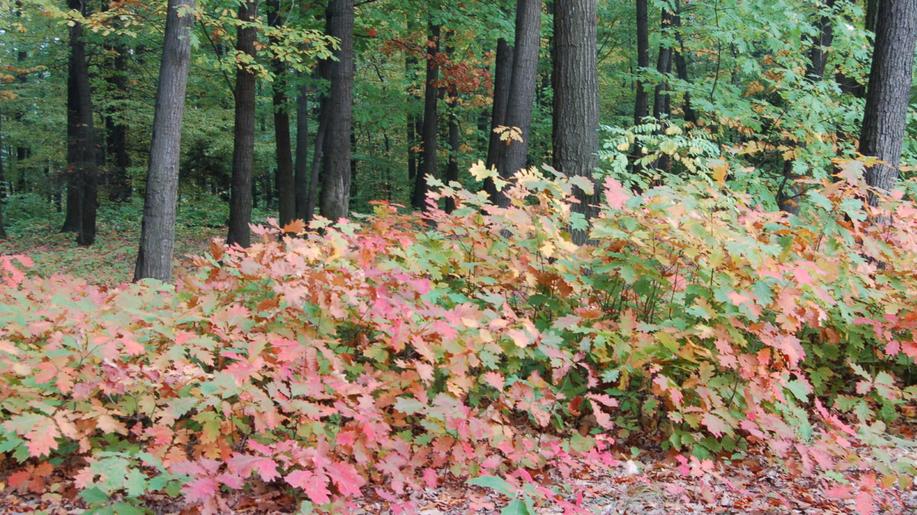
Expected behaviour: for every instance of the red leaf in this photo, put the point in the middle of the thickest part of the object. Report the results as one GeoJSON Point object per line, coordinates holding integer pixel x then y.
{"type": "Point", "coordinates": [315, 485]}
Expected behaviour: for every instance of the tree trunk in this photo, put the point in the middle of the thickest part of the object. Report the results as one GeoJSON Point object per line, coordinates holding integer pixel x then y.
{"type": "Point", "coordinates": [503, 75]}
{"type": "Point", "coordinates": [576, 97]}
{"type": "Point", "coordinates": [818, 56]}
{"type": "Point", "coordinates": [662, 108]}
{"type": "Point", "coordinates": [301, 176]}
{"type": "Point", "coordinates": [681, 66]}
{"type": "Point", "coordinates": [872, 12]}
{"type": "Point", "coordinates": [513, 157]}
{"type": "Point", "coordinates": [317, 159]}
{"type": "Point", "coordinates": [157, 237]}
{"type": "Point", "coordinates": [430, 121]}
{"type": "Point", "coordinates": [120, 187]}
{"type": "Point", "coordinates": [641, 102]}
{"type": "Point", "coordinates": [240, 203]}
{"type": "Point", "coordinates": [452, 167]}
{"type": "Point", "coordinates": [2, 185]}
{"type": "Point", "coordinates": [284, 182]}
{"type": "Point", "coordinates": [83, 159]}
{"type": "Point", "coordinates": [888, 93]}
{"type": "Point", "coordinates": [335, 194]}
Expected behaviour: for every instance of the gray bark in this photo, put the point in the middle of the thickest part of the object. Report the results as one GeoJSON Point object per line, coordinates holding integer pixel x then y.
{"type": "Point", "coordinates": [301, 174]}
{"type": "Point", "coordinates": [336, 169]}
{"type": "Point", "coordinates": [888, 93]}
{"type": "Point", "coordinates": [430, 129]}
{"type": "Point", "coordinates": [157, 237]}
{"type": "Point", "coordinates": [284, 180]}
{"type": "Point", "coordinates": [503, 75]}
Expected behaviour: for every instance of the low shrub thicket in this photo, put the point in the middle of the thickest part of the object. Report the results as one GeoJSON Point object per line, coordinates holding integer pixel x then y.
{"type": "Point", "coordinates": [390, 353]}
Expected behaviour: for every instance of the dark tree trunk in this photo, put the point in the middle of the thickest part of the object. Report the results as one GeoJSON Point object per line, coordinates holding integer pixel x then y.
{"type": "Point", "coordinates": [301, 176]}
{"type": "Point", "coordinates": [503, 75]}
{"type": "Point", "coordinates": [157, 238]}
{"type": "Point", "coordinates": [430, 121]}
{"type": "Point", "coordinates": [872, 12]}
{"type": "Point", "coordinates": [317, 159]}
{"type": "Point", "coordinates": [681, 65]}
{"type": "Point", "coordinates": [641, 103]}
{"type": "Point", "coordinates": [662, 108]}
{"type": "Point", "coordinates": [576, 97]}
{"type": "Point", "coordinates": [888, 93]}
{"type": "Point", "coordinates": [454, 137]}
{"type": "Point", "coordinates": [72, 211]}
{"type": "Point", "coordinates": [513, 157]}
{"type": "Point", "coordinates": [120, 187]}
{"type": "Point", "coordinates": [818, 56]}
{"type": "Point", "coordinates": [335, 194]}
{"type": "Point", "coordinates": [284, 182]}
{"type": "Point", "coordinates": [410, 66]}
{"type": "Point", "coordinates": [2, 185]}
{"type": "Point", "coordinates": [83, 160]}
{"type": "Point", "coordinates": [23, 151]}
{"type": "Point", "coordinates": [240, 203]}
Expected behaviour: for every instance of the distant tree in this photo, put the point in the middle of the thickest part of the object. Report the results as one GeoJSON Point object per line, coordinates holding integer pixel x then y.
{"type": "Point", "coordinates": [301, 168]}
{"type": "Point", "coordinates": [430, 129]}
{"type": "Point", "coordinates": [2, 185]}
{"type": "Point", "coordinates": [888, 93]}
{"type": "Point", "coordinates": [284, 180]}
{"type": "Point", "coordinates": [641, 102]}
{"type": "Point", "coordinates": [157, 237]}
{"type": "Point", "coordinates": [576, 95]}
{"type": "Point", "coordinates": [82, 155]}
{"type": "Point", "coordinates": [240, 203]}
{"type": "Point", "coordinates": [503, 75]}
{"type": "Point", "coordinates": [338, 149]}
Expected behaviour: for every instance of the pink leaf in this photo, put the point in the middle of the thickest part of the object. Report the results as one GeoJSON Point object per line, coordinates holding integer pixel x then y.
{"type": "Point", "coordinates": [315, 485]}
{"type": "Point", "coordinates": [200, 490]}
{"type": "Point", "coordinates": [615, 194]}
{"type": "Point", "coordinates": [346, 478]}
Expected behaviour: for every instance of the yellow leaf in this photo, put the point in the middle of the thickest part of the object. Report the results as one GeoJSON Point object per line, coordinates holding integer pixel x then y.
{"type": "Point", "coordinates": [720, 170]}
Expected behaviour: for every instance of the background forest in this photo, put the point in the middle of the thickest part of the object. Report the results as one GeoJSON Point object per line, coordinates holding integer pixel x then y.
{"type": "Point", "coordinates": [494, 246]}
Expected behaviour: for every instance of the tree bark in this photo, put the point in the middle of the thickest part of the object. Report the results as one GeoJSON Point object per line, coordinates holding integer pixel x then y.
{"type": "Point", "coordinates": [872, 12]}
{"type": "Point", "coordinates": [576, 98]}
{"type": "Point", "coordinates": [430, 121]}
{"type": "Point", "coordinates": [818, 56]}
{"type": "Point", "coordinates": [335, 194]}
{"type": "Point", "coordinates": [641, 102]}
{"type": "Point", "coordinates": [888, 93]}
{"type": "Point", "coordinates": [240, 203]}
{"type": "Point", "coordinates": [120, 187]}
{"type": "Point", "coordinates": [681, 66]}
{"type": "Point", "coordinates": [513, 156]}
{"type": "Point", "coordinates": [662, 108]}
{"type": "Point", "coordinates": [503, 75]}
{"type": "Point", "coordinates": [284, 182]}
{"type": "Point", "coordinates": [2, 185]}
{"type": "Point", "coordinates": [301, 175]}
{"type": "Point", "coordinates": [83, 158]}
{"type": "Point", "coordinates": [454, 137]}
{"type": "Point", "coordinates": [157, 237]}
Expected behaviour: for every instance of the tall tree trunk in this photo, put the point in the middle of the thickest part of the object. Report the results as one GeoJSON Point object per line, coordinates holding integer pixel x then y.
{"type": "Point", "coordinates": [2, 185]}
{"type": "Point", "coordinates": [576, 97]}
{"type": "Point", "coordinates": [454, 137]}
{"type": "Point", "coordinates": [513, 157]}
{"type": "Point", "coordinates": [301, 175]}
{"type": "Point", "coordinates": [872, 14]}
{"type": "Point", "coordinates": [641, 102]}
{"type": "Point", "coordinates": [503, 76]}
{"type": "Point", "coordinates": [335, 194]}
{"type": "Point", "coordinates": [23, 151]}
{"type": "Point", "coordinates": [120, 187]}
{"type": "Point", "coordinates": [84, 156]}
{"type": "Point", "coordinates": [411, 122]}
{"type": "Point", "coordinates": [284, 183]}
{"type": "Point", "coordinates": [888, 93]}
{"type": "Point", "coordinates": [681, 65]}
{"type": "Point", "coordinates": [818, 55]}
{"type": "Point", "coordinates": [157, 237]}
{"type": "Point", "coordinates": [240, 203]}
{"type": "Point", "coordinates": [662, 108]}
{"type": "Point", "coordinates": [317, 159]}
{"type": "Point", "coordinates": [430, 121]}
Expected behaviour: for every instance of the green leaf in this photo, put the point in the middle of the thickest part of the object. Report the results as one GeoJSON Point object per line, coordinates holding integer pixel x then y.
{"type": "Point", "coordinates": [515, 507]}
{"type": "Point", "coordinates": [494, 483]}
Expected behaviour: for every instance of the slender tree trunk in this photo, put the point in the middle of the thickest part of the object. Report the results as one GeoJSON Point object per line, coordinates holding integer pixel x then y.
{"type": "Point", "coordinates": [317, 159]}
{"type": "Point", "coordinates": [85, 151]}
{"type": "Point", "coordinates": [872, 14]}
{"type": "Point", "coordinates": [662, 108]}
{"type": "Point", "coordinates": [818, 56]}
{"type": "Point", "coordinates": [503, 75]}
{"type": "Point", "coordinates": [157, 237]}
{"type": "Point", "coordinates": [513, 156]}
{"type": "Point", "coordinates": [240, 203]}
{"type": "Point", "coordinates": [641, 103]}
{"type": "Point", "coordinates": [410, 67]}
{"type": "Point", "coordinates": [576, 97]}
{"type": "Point", "coordinates": [888, 93]}
{"type": "Point", "coordinates": [454, 137]}
{"type": "Point", "coordinates": [72, 212]}
{"type": "Point", "coordinates": [681, 65]}
{"type": "Point", "coordinates": [121, 190]}
{"type": "Point", "coordinates": [2, 185]}
{"type": "Point", "coordinates": [430, 121]}
{"type": "Point", "coordinates": [284, 183]}
{"type": "Point", "coordinates": [335, 194]}
{"type": "Point", "coordinates": [301, 176]}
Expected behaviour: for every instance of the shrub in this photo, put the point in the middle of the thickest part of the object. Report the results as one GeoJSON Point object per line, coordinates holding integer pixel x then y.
{"type": "Point", "coordinates": [393, 352]}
